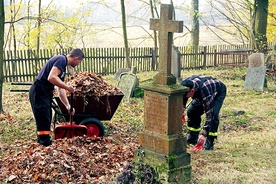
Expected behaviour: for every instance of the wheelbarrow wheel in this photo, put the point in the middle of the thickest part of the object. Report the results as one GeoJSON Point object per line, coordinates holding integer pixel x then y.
{"type": "Point", "coordinates": [94, 127]}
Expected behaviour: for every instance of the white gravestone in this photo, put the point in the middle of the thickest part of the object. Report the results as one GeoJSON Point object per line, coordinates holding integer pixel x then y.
{"type": "Point", "coordinates": [255, 74]}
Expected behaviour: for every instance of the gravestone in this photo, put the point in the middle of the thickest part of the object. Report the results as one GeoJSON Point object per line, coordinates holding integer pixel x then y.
{"type": "Point", "coordinates": [256, 60]}
{"type": "Point", "coordinates": [119, 72]}
{"type": "Point", "coordinates": [176, 70]}
{"type": "Point", "coordinates": [255, 78]}
{"type": "Point", "coordinates": [162, 142]}
{"type": "Point", "coordinates": [127, 83]}
{"type": "Point", "coordinates": [255, 74]}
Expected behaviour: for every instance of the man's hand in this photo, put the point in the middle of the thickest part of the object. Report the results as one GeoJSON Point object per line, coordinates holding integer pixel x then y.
{"type": "Point", "coordinates": [201, 140]}
{"type": "Point", "coordinates": [71, 89]}
{"type": "Point", "coordinates": [69, 110]}
{"type": "Point", "coordinates": [200, 144]}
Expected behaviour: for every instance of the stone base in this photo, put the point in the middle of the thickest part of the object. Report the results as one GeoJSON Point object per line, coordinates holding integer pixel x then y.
{"type": "Point", "coordinates": [164, 79]}
{"type": "Point", "coordinates": [173, 169]}
{"type": "Point", "coordinates": [169, 144]}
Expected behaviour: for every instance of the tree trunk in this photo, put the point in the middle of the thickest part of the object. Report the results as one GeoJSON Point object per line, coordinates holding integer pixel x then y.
{"type": "Point", "coordinates": [252, 10]}
{"type": "Point", "coordinates": [261, 25]}
{"type": "Point", "coordinates": [154, 51]}
{"type": "Point", "coordinates": [128, 65]}
{"type": "Point", "coordinates": [38, 26]}
{"type": "Point", "coordinates": [194, 29]}
{"type": "Point", "coordinates": [194, 23]}
{"type": "Point", "coordinates": [2, 28]}
{"type": "Point", "coordinates": [29, 25]}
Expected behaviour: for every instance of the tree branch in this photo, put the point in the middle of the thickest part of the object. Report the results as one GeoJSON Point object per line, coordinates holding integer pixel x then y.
{"type": "Point", "coordinates": [41, 19]}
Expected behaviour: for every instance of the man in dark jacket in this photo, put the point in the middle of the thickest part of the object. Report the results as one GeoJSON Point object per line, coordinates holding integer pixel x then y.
{"type": "Point", "coordinates": [41, 92]}
{"type": "Point", "coordinates": [207, 95]}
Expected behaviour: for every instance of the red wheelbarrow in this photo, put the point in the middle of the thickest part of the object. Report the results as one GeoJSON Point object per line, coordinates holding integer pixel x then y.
{"type": "Point", "coordinates": [89, 111]}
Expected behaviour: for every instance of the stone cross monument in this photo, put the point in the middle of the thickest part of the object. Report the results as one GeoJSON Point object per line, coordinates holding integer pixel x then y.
{"type": "Point", "coordinates": [166, 26]}
{"type": "Point", "coordinates": [162, 141]}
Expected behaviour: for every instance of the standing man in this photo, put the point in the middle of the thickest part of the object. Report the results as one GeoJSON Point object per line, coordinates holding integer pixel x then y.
{"type": "Point", "coordinates": [207, 95]}
{"type": "Point", "coordinates": [41, 92]}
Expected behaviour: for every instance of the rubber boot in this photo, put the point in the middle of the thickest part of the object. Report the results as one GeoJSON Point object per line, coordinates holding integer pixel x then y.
{"type": "Point", "coordinates": [44, 140]}
{"type": "Point", "coordinates": [192, 137]}
{"type": "Point", "coordinates": [209, 144]}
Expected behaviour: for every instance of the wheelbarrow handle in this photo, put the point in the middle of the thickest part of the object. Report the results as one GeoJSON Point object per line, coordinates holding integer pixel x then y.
{"type": "Point", "coordinates": [71, 108]}
{"type": "Point", "coordinates": [71, 102]}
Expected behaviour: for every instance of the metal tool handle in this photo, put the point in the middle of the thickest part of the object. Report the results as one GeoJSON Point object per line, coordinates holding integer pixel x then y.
{"type": "Point", "coordinates": [71, 102]}
{"type": "Point", "coordinates": [71, 107]}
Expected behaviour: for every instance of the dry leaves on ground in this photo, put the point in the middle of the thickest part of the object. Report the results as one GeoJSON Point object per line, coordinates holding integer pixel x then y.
{"type": "Point", "coordinates": [75, 160]}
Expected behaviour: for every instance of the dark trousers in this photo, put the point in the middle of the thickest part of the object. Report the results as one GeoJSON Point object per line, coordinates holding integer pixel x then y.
{"type": "Point", "coordinates": [40, 97]}
{"type": "Point", "coordinates": [195, 111]}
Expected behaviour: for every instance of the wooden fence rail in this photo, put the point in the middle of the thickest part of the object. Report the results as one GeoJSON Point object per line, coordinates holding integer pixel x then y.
{"type": "Point", "coordinates": [23, 65]}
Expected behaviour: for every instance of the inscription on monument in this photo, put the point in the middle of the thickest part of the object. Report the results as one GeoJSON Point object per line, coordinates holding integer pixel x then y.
{"type": "Point", "coordinates": [156, 107]}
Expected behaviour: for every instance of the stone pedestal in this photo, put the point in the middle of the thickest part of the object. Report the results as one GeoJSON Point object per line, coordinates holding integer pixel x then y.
{"type": "Point", "coordinates": [162, 139]}
{"type": "Point", "coordinates": [164, 79]}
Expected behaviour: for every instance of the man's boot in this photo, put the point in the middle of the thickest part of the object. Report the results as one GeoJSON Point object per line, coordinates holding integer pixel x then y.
{"type": "Point", "coordinates": [44, 140]}
{"type": "Point", "coordinates": [192, 137]}
{"type": "Point", "coordinates": [209, 144]}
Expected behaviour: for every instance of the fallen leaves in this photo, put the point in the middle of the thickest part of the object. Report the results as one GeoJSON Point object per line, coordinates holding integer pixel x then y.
{"type": "Point", "coordinates": [75, 160]}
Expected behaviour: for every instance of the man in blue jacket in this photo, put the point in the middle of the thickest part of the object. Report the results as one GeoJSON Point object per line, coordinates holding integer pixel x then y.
{"type": "Point", "coordinates": [41, 92]}
{"type": "Point", "coordinates": [207, 95]}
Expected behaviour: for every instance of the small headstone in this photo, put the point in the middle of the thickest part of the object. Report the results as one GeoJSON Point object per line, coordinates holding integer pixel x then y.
{"type": "Point", "coordinates": [255, 78]}
{"type": "Point", "coordinates": [127, 84]}
{"type": "Point", "coordinates": [255, 74]}
{"type": "Point", "coordinates": [256, 60]}
{"type": "Point", "coordinates": [133, 70]}
{"type": "Point", "coordinates": [176, 63]}
{"type": "Point", "coordinates": [119, 72]}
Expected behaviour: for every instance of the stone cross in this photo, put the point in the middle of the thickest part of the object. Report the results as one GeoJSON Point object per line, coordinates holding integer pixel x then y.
{"type": "Point", "coordinates": [166, 26]}
{"type": "Point", "coordinates": [162, 141]}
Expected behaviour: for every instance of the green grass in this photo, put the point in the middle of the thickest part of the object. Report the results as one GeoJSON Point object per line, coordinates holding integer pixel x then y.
{"type": "Point", "coordinates": [245, 149]}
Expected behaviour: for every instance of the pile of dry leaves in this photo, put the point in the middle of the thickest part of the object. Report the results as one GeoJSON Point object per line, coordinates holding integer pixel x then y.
{"type": "Point", "coordinates": [75, 160]}
{"type": "Point", "coordinates": [91, 84]}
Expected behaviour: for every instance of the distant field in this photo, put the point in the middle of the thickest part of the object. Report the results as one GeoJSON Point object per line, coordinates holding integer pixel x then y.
{"type": "Point", "coordinates": [142, 37]}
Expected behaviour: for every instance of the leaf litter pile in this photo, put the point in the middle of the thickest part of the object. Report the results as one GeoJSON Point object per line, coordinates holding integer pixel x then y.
{"type": "Point", "coordinates": [72, 160]}
{"type": "Point", "coordinates": [91, 84]}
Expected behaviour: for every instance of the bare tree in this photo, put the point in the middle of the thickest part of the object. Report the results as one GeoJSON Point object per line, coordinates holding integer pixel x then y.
{"type": "Point", "coordinates": [245, 20]}
{"type": "Point", "coordinates": [11, 34]}
{"type": "Point", "coordinates": [62, 30]}
{"type": "Point", "coordinates": [259, 25]}
{"type": "Point", "coordinates": [194, 23]}
{"type": "Point", "coordinates": [2, 28]}
{"type": "Point", "coordinates": [38, 25]}
{"type": "Point", "coordinates": [128, 65]}
{"type": "Point", "coordinates": [155, 49]}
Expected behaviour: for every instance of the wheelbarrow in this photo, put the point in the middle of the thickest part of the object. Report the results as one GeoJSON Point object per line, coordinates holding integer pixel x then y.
{"type": "Point", "coordinates": [69, 130]}
{"type": "Point", "coordinates": [89, 111]}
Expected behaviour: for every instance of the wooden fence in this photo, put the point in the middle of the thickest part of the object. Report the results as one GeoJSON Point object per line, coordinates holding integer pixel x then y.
{"type": "Point", "coordinates": [23, 65]}
{"type": "Point", "coordinates": [210, 56]}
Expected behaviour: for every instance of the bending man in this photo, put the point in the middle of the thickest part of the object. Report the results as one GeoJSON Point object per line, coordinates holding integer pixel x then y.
{"type": "Point", "coordinates": [207, 95]}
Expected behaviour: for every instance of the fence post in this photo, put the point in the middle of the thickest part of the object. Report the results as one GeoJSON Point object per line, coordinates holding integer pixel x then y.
{"type": "Point", "coordinates": [204, 57]}
{"type": "Point", "coordinates": [153, 61]}
{"type": "Point", "coordinates": [215, 57]}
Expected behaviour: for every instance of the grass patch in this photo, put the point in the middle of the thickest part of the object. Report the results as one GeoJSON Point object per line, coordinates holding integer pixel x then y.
{"type": "Point", "coordinates": [245, 149]}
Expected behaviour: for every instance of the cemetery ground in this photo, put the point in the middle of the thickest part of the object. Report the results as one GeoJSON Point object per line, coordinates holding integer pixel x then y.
{"type": "Point", "coordinates": [244, 152]}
